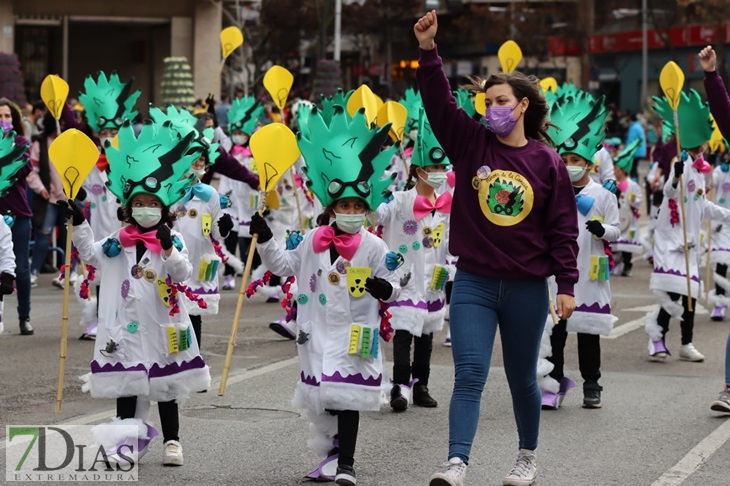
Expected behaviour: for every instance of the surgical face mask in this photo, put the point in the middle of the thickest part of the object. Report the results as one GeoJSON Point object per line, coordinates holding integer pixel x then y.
{"type": "Point", "coordinates": [413, 134]}
{"type": "Point", "coordinates": [6, 125]}
{"type": "Point", "coordinates": [239, 139]}
{"type": "Point", "coordinates": [104, 140]}
{"type": "Point", "coordinates": [576, 172]}
{"type": "Point", "coordinates": [147, 217]}
{"type": "Point", "coordinates": [435, 179]}
{"type": "Point", "coordinates": [501, 119]}
{"type": "Point", "coordinates": [350, 223]}
{"type": "Point", "coordinates": [197, 173]}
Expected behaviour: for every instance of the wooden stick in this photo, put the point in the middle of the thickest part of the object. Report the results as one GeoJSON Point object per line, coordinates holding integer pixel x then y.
{"type": "Point", "coordinates": [684, 218]}
{"type": "Point", "coordinates": [708, 273]}
{"type": "Point", "coordinates": [64, 318]}
{"type": "Point", "coordinates": [554, 314]}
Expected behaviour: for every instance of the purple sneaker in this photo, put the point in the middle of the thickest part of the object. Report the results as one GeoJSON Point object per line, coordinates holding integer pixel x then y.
{"type": "Point", "coordinates": [718, 313]}
{"type": "Point", "coordinates": [326, 471]}
{"type": "Point", "coordinates": [565, 385]}
{"type": "Point", "coordinates": [549, 400]}
{"type": "Point", "coordinates": [658, 350]}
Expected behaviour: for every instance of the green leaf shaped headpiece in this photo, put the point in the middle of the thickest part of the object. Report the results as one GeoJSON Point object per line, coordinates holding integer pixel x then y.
{"type": "Point", "coordinates": [625, 159]}
{"type": "Point", "coordinates": [185, 123]}
{"type": "Point", "coordinates": [465, 100]}
{"type": "Point", "coordinates": [245, 114]}
{"type": "Point", "coordinates": [329, 102]}
{"type": "Point", "coordinates": [344, 158]}
{"type": "Point", "coordinates": [412, 101]}
{"type": "Point", "coordinates": [156, 162]}
{"type": "Point", "coordinates": [695, 124]}
{"type": "Point", "coordinates": [108, 102]}
{"type": "Point", "coordinates": [427, 150]}
{"type": "Point", "coordinates": [580, 120]}
{"type": "Point", "coordinates": [11, 161]}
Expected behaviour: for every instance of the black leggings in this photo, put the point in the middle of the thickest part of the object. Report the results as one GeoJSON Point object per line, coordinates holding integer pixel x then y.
{"type": "Point", "coordinates": [348, 423]}
{"type": "Point", "coordinates": [589, 355]}
{"type": "Point", "coordinates": [422, 348]}
{"type": "Point", "coordinates": [169, 418]}
{"type": "Point", "coordinates": [688, 319]}
{"type": "Point", "coordinates": [721, 270]}
{"type": "Point", "coordinates": [197, 322]}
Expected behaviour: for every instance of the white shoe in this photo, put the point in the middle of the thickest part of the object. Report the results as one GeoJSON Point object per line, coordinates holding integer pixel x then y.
{"type": "Point", "coordinates": [58, 281]}
{"type": "Point", "coordinates": [688, 352]}
{"type": "Point", "coordinates": [173, 454]}
{"type": "Point", "coordinates": [34, 280]}
{"type": "Point", "coordinates": [453, 475]}
{"type": "Point", "coordinates": [524, 471]}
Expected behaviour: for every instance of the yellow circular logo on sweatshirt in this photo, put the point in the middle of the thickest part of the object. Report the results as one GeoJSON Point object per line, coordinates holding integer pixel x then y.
{"type": "Point", "coordinates": [505, 197]}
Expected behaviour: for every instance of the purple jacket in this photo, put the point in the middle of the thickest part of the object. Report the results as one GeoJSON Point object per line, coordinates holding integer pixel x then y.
{"type": "Point", "coordinates": [719, 102]}
{"type": "Point", "coordinates": [522, 221]}
{"type": "Point", "coordinates": [16, 199]}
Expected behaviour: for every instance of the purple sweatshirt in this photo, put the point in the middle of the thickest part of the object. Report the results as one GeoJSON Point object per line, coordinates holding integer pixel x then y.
{"type": "Point", "coordinates": [719, 102]}
{"type": "Point", "coordinates": [16, 199]}
{"type": "Point", "coordinates": [522, 223]}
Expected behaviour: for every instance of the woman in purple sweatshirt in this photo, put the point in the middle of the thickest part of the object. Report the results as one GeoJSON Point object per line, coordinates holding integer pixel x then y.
{"type": "Point", "coordinates": [515, 223]}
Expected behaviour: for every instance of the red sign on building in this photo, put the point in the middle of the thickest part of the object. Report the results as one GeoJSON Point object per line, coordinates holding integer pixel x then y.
{"type": "Point", "coordinates": [684, 36]}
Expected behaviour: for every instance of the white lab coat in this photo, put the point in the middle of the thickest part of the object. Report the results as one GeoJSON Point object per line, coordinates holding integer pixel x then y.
{"type": "Point", "coordinates": [630, 239]}
{"type": "Point", "coordinates": [7, 259]}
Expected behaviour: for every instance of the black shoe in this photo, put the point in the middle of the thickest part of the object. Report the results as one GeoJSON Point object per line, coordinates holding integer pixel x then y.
{"type": "Point", "coordinates": [592, 398]}
{"type": "Point", "coordinates": [25, 328]}
{"type": "Point", "coordinates": [398, 402]}
{"type": "Point", "coordinates": [422, 398]}
{"type": "Point", "coordinates": [345, 476]}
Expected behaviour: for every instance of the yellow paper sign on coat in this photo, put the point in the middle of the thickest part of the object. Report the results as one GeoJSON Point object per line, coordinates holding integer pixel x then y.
{"type": "Point", "coordinates": [396, 114]}
{"type": "Point", "coordinates": [278, 82]}
{"type": "Point", "coordinates": [509, 55]}
{"type": "Point", "coordinates": [480, 103]}
{"type": "Point", "coordinates": [549, 84]}
{"type": "Point", "coordinates": [274, 148]}
{"type": "Point", "coordinates": [54, 91]}
{"type": "Point", "coordinates": [231, 39]}
{"type": "Point", "coordinates": [363, 97]}
{"type": "Point", "coordinates": [671, 80]}
{"type": "Point", "coordinates": [356, 277]}
{"type": "Point", "coordinates": [73, 154]}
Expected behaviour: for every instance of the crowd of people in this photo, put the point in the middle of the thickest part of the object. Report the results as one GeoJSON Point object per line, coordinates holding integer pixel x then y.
{"type": "Point", "coordinates": [357, 244]}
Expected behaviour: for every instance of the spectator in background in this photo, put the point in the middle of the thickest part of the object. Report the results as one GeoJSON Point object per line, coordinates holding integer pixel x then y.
{"type": "Point", "coordinates": [636, 130]}
{"type": "Point", "coordinates": [221, 112]}
{"type": "Point", "coordinates": [33, 118]}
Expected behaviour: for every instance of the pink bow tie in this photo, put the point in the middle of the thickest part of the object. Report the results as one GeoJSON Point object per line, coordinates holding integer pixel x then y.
{"type": "Point", "coordinates": [422, 206]}
{"type": "Point", "coordinates": [702, 165]}
{"type": "Point", "coordinates": [130, 235]}
{"type": "Point", "coordinates": [345, 244]}
{"type": "Point", "coordinates": [240, 150]}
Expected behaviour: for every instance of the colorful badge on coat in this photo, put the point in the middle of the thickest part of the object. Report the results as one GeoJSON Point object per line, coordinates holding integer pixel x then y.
{"type": "Point", "coordinates": [333, 278]}
{"type": "Point", "coordinates": [150, 275]}
{"type": "Point", "coordinates": [438, 235]}
{"type": "Point", "coordinates": [193, 213]}
{"type": "Point", "coordinates": [165, 292]}
{"type": "Point", "coordinates": [356, 277]}
{"type": "Point", "coordinates": [137, 271]}
{"type": "Point", "coordinates": [206, 223]}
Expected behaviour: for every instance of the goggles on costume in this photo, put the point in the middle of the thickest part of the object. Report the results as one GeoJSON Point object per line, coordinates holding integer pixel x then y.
{"type": "Point", "coordinates": [337, 187]}
{"type": "Point", "coordinates": [436, 154]}
{"type": "Point", "coordinates": [569, 144]}
{"type": "Point", "coordinates": [149, 183]}
{"type": "Point", "coordinates": [102, 121]}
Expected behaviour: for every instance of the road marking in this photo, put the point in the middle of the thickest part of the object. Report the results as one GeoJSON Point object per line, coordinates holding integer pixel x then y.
{"type": "Point", "coordinates": [644, 308]}
{"type": "Point", "coordinates": [624, 329]}
{"type": "Point", "coordinates": [695, 458]}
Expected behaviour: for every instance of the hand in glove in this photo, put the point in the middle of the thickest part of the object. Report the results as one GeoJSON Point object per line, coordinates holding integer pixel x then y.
{"type": "Point", "coordinates": [6, 283]}
{"type": "Point", "coordinates": [293, 240]}
{"type": "Point", "coordinates": [225, 224]}
{"type": "Point", "coordinates": [378, 288]}
{"type": "Point", "coordinates": [259, 226]}
{"type": "Point", "coordinates": [81, 194]}
{"type": "Point", "coordinates": [596, 227]}
{"type": "Point", "coordinates": [73, 212]}
{"type": "Point", "coordinates": [163, 234]}
{"type": "Point", "coordinates": [679, 165]}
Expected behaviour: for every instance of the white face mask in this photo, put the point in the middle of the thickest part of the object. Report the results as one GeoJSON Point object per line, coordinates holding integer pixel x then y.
{"type": "Point", "coordinates": [198, 173]}
{"type": "Point", "coordinates": [434, 179]}
{"type": "Point", "coordinates": [576, 173]}
{"type": "Point", "coordinates": [239, 139]}
{"type": "Point", "coordinates": [350, 223]}
{"type": "Point", "coordinates": [104, 140]}
{"type": "Point", "coordinates": [147, 217]}
{"type": "Point", "coordinates": [413, 134]}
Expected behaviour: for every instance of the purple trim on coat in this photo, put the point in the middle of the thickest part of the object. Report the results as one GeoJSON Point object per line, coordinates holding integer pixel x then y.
{"type": "Point", "coordinates": [594, 308]}
{"type": "Point", "coordinates": [626, 242]}
{"type": "Point", "coordinates": [202, 291]}
{"type": "Point", "coordinates": [308, 380]}
{"type": "Point", "coordinates": [676, 273]}
{"type": "Point", "coordinates": [357, 379]}
{"type": "Point", "coordinates": [720, 249]}
{"type": "Point", "coordinates": [158, 371]}
{"type": "Point", "coordinates": [436, 306]}
{"type": "Point", "coordinates": [408, 303]}
{"type": "Point", "coordinates": [108, 367]}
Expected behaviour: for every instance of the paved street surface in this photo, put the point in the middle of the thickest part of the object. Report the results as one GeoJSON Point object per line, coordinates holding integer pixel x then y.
{"type": "Point", "coordinates": [655, 428]}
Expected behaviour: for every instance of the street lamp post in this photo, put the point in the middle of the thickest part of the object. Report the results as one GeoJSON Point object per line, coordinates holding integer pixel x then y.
{"type": "Point", "coordinates": [644, 53]}
{"type": "Point", "coordinates": [338, 28]}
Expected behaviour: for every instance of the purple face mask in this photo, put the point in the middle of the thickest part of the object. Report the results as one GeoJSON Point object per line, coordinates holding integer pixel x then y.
{"type": "Point", "coordinates": [501, 119]}
{"type": "Point", "coordinates": [6, 125]}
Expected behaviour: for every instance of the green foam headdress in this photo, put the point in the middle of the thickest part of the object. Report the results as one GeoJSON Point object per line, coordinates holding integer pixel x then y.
{"type": "Point", "coordinates": [625, 159]}
{"type": "Point", "coordinates": [185, 123]}
{"type": "Point", "coordinates": [343, 158]}
{"type": "Point", "coordinates": [412, 101]}
{"type": "Point", "coordinates": [580, 120]}
{"type": "Point", "coordinates": [465, 100]}
{"type": "Point", "coordinates": [427, 150]}
{"type": "Point", "coordinates": [304, 111]}
{"type": "Point", "coordinates": [108, 102]}
{"type": "Point", "coordinates": [11, 161]}
{"type": "Point", "coordinates": [244, 114]}
{"type": "Point", "coordinates": [329, 102]}
{"type": "Point", "coordinates": [695, 124]}
{"type": "Point", "coordinates": [156, 162]}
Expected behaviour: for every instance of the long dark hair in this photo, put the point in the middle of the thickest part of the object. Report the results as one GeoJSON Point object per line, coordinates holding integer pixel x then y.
{"type": "Point", "coordinates": [18, 125]}
{"type": "Point", "coordinates": [412, 177]}
{"type": "Point", "coordinates": [536, 122]}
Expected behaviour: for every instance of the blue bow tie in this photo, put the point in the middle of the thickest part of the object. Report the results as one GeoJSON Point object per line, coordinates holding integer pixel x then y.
{"type": "Point", "coordinates": [585, 203]}
{"type": "Point", "coordinates": [200, 190]}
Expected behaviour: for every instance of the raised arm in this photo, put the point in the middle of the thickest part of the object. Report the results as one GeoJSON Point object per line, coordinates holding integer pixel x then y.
{"type": "Point", "coordinates": [716, 93]}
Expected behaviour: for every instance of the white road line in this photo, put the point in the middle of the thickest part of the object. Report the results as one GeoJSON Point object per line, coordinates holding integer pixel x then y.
{"type": "Point", "coordinates": [696, 457]}
{"type": "Point", "coordinates": [624, 329]}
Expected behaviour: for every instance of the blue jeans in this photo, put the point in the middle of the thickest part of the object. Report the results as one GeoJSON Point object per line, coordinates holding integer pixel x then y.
{"type": "Point", "coordinates": [21, 249]}
{"type": "Point", "coordinates": [43, 237]}
{"type": "Point", "coordinates": [478, 305]}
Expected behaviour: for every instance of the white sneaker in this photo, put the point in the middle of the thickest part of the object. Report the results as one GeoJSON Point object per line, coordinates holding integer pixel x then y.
{"type": "Point", "coordinates": [173, 454]}
{"type": "Point", "coordinates": [453, 475]}
{"type": "Point", "coordinates": [34, 280]}
{"type": "Point", "coordinates": [688, 352]}
{"type": "Point", "coordinates": [524, 471]}
{"type": "Point", "coordinates": [58, 281]}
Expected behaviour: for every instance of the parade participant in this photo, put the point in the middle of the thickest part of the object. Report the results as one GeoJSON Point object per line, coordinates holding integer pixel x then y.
{"type": "Point", "coordinates": [719, 102]}
{"type": "Point", "coordinates": [603, 166]}
{"type": "Point", "coordinates": [720, 242]}
{"type": "Point", "coordinates": [15, 204]}
{"type": "Point", "coordinates": [12, 161]}
{"type": "Point", "coordinates": [630, 242]}
{"type": "Point", "coordinates": [517, 225]}
{"type": "Point", "coordinates": [145, 348]}
{"type": "Point", "coordinates": [416, 225]}
{"type": "Point", "coordinates": [669, 278]}
{"type": "Point", "coordinates": [336, 265]}
{"type": "Point", "coordinates": [577, 130]}
{"type": "Point", "coordinates": [243, 118]}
